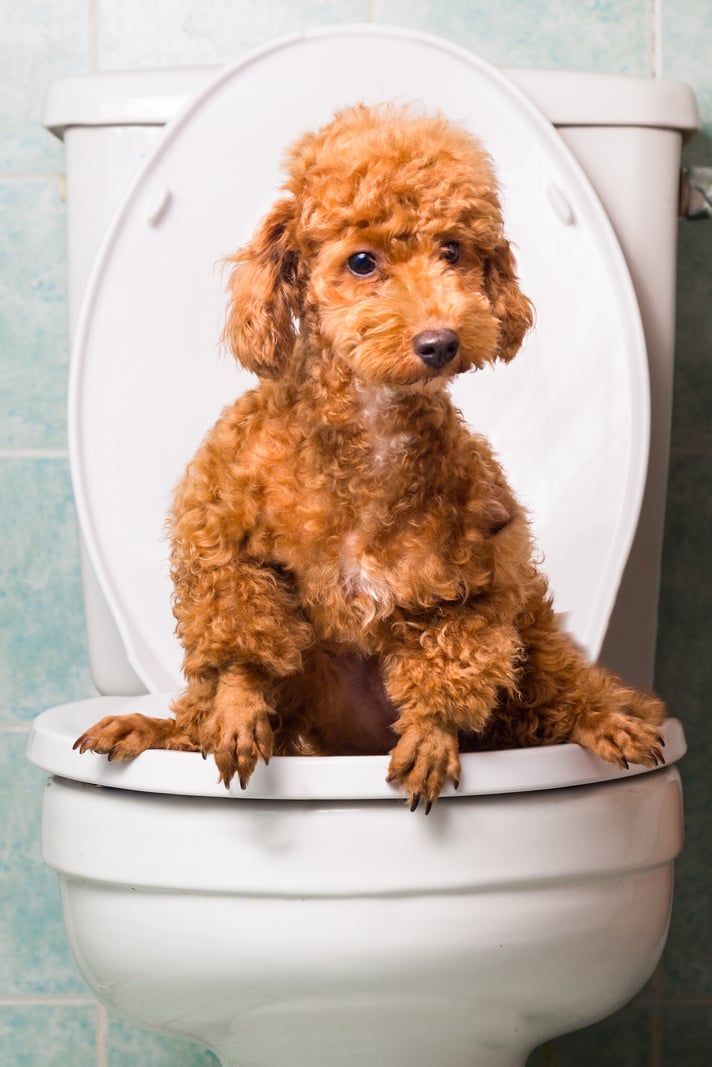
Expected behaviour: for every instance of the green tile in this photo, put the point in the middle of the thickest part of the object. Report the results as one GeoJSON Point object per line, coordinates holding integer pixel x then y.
{"type": "Point", "coordinates": [33, 326]}
{"type": "Point", "coordinates": [686, 1035]}
{"type": "Point", "coordinates": [684, 679]}
{"type": "Point", "coordinates": [48, 1036]}
{"type": "Point", "coordinates": [626, 1039]}
{"type": "Point", "coordinates": [35, 959]}
{"type": "Point", "coordinates": [169, 32]}
{"type": "Point", "coordinates": [40, 41]}
{"type": "Point", "coordinates": [692, 398]}
{"type": "Point", "coordinates": [685, 52]}
{"type": "Point", "coordinates": [597, 35]}
{"type": "Point", "coordinates": [684, 666]}
{"type": "Point", "coordinates": [42, 643]}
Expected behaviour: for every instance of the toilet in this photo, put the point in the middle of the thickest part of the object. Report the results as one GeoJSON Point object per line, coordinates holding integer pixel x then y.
{"type": "Point", "coordinates": [312, 920]}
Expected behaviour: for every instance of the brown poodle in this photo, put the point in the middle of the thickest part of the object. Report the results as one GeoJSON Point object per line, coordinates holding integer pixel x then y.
{"type": "Point", "coordinates": [352, 572]}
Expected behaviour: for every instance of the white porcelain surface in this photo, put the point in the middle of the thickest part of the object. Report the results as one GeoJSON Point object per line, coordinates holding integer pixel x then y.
{"type": "Point", "coordinates": [304, 777]}
{"type": "Point", "coordinates": [146, 347]}
{"type": "Point", "coordinates": [317, 934]}
{"type": "Point", "coordinates": [339, 847]}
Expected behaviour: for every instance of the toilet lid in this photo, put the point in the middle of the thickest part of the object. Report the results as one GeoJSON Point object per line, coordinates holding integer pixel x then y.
{"type": "Point", "coordinates": [569, 417]}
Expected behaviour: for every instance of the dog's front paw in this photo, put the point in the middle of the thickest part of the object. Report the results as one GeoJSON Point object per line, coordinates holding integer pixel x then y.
{"type": "Point", "coordinates": [237, 739]}
{"type": "Point", "coordinates": [423, 759]}
{"type": "Point", "coordinates": [119, 737]}
{"type": "Point", "coordinates": [620, 738]}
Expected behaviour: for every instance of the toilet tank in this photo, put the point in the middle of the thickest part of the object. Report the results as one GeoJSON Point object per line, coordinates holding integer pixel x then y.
{"type": "Point", "coordinates": [626, 134]}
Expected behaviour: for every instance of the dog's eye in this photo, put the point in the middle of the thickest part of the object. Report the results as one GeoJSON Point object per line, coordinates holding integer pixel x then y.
{"type": "Point", "coordinates": [450, 252]}
{"type": "Point", "coordinates": [362, 264]}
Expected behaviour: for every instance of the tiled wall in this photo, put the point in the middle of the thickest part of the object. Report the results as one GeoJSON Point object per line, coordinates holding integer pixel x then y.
{"type": "Point", "coordinates": [46, 1015]}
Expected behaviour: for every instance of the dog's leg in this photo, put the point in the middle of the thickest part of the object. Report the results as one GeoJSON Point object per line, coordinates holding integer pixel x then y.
{"type": "Point", "coordinates": [243, 631]}
{"type": "Point", "coordinates": [444, 675]}
{"type": "Point", "coordinates": [237, 729]}
{"type": "Point", "coordinates": [561, 697]}
{"type": "Point", "coordinates": [123, 737]}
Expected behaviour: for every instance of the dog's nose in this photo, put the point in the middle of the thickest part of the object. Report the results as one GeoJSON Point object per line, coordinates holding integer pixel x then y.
{"type": "Point", "coordinates": [436, 347]}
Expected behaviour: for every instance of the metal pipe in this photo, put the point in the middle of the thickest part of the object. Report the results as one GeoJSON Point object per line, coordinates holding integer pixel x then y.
{"type": "Point", "coordinates": [696, 193]}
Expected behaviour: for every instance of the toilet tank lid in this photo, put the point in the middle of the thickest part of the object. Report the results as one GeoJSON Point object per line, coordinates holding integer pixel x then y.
{"type": "Point", "coordinates": [567, 98]}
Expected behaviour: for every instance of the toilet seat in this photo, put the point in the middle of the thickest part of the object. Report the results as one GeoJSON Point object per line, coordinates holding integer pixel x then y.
{"type": "Point", "coordinates": [521, 770]}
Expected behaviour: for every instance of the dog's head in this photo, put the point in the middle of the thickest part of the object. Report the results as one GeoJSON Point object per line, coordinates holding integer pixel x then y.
{"type": "Point", "coordinates": [388, 249]}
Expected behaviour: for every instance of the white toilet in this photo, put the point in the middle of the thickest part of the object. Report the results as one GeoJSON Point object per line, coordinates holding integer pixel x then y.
{"type": "Point", "coordinates": [313, 921]}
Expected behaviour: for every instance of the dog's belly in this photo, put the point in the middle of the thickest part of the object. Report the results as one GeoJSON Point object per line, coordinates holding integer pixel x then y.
{"type": "Point", "coordinates": [338, 704]}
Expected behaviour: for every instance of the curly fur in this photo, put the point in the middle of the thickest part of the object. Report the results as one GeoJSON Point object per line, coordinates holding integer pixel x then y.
{"type": "Point", "coordinates": [352, 572]}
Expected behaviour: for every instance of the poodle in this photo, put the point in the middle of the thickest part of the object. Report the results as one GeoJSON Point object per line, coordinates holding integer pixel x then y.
{"type": "Point", "coordinates": [352, 572]}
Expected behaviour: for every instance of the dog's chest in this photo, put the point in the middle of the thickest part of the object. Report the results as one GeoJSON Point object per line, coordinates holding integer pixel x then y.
{"type": "Point", "coordinates": [372, 521]}
{"type": "Point", "coordinates": [363, 581]}
{"type": "Point", "coordinates": [362, 576]}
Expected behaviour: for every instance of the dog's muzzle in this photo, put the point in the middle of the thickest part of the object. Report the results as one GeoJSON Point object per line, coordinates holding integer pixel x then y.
{"type": "Point", "coordinates": [436, 347]}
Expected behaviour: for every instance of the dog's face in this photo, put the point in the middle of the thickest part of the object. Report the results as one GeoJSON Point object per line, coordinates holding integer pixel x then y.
{"type": "Point", "coordinates": [389, 248]}
{"type": "Point", "coordinates": [404, 309]}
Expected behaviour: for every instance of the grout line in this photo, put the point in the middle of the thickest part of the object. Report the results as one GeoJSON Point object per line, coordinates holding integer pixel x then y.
{"type": "Point", "coordinates": [674, 1001]}
{"type": "Point", "coordinates": [655, 1042]}
{"type": "Point", "coordinates": [102, 1053]}
{"type": "Point", "coordinates": [656, 37]}
{"type": "Point", "coordinates": [15, 728]}
{"type": "Point", "coordinates": [30, 175]}
{"type": "Point", "coordinates": [691, 450]}
{"type": "Point", "coordinates": [34, 453]}
{"type": "Point", "coordinates": [49, 1001]}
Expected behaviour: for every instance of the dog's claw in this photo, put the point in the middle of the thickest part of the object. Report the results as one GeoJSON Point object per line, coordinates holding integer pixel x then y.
{"type": "Point", "coordinates": [422, 761]}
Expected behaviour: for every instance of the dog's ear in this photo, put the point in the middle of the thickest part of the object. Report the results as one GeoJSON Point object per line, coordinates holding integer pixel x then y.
{"type": "Point", "coordinates": [509, 304]}
{"type": "Point", "coordinates": [264, 295]}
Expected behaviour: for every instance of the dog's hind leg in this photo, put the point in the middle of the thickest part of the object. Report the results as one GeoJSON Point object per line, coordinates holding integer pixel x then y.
{"type": "Point", "coordinates": [561, 697]}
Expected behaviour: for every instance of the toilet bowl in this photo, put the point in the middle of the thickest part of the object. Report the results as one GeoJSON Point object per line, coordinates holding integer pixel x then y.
{"type": "Point", "coordinates": [312, 920]}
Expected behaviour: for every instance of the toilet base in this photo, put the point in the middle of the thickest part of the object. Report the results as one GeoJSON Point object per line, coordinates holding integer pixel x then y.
{"type": "Point", "coordinates": [331, 982]}
{"type": "Point", "coordinates": [351, 934]}
{"type": "Point", "coordinates": [475, 1058]}
{"type": "Point", "coordinates": [356, 1049]}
